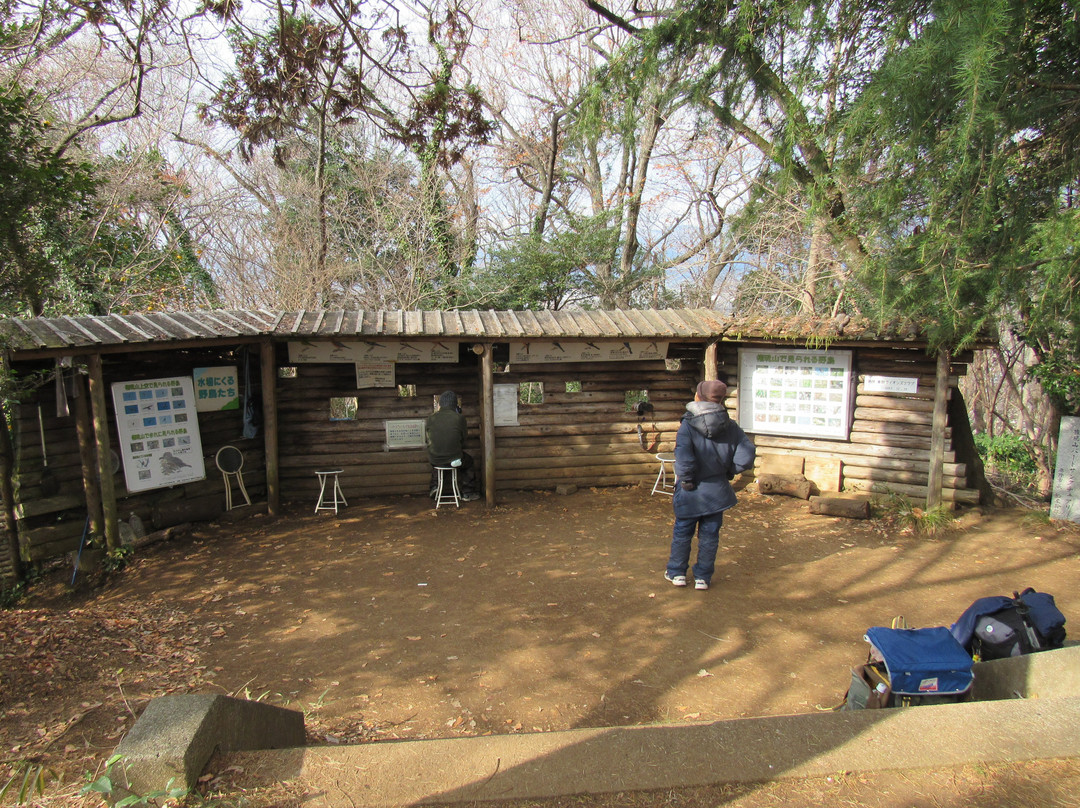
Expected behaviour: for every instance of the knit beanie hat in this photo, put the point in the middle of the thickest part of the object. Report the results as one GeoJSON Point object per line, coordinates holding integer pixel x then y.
{"type": "Point", "coordinates": [712, 390]}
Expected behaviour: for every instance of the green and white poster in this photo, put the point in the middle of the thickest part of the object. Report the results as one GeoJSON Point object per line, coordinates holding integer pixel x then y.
{"type": "Point", "coordinates": [795, 392]}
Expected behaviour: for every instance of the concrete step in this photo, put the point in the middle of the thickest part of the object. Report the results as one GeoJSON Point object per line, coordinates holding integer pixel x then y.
{"type": "Point", "coordinates": [593, 761]}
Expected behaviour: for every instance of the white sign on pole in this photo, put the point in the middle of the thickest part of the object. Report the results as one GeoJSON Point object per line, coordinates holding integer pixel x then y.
{"type": "Point", "coordinates": [160, 443]}
{"type": "Point", "coordinates": [795, 392]}
{"type": "Point", "coordinates": [1065, 503]}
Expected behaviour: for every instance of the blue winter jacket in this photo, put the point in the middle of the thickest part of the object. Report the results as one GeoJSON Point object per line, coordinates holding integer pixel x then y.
{"type": "Point", "coordinates": [710, 449]}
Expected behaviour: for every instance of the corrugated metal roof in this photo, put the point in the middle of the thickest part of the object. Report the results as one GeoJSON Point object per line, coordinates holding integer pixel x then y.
{"type": "Point", "coordinates": [177, 328]}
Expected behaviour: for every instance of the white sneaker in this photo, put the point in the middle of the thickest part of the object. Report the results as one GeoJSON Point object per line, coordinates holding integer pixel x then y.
{"type": "Point", "coordinates": [676, 580]}
{"type": "Point", "coordinates": [699, 584]}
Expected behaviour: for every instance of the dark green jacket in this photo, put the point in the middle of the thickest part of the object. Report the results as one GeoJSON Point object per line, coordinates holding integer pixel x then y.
{"type": "Point", "coordinates": [446, 432]}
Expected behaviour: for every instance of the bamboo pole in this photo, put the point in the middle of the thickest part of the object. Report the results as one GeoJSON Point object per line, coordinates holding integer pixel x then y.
{"type": "Point", "coordinates": [937, 438]}
{"type": "Point", "coordinates": [487, 421]}
{"type": "Point", "coordinates": [268, 370]}
{"type": "Point", "coordinates": [100, 415]}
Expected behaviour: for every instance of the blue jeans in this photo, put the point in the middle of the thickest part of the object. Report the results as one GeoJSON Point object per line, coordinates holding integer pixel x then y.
{"type": "Point", "coordinates": [708, 530]}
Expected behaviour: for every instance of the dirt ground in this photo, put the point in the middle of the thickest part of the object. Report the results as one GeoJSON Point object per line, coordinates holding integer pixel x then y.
{"type": "Point", "coordinates": [392, 620]}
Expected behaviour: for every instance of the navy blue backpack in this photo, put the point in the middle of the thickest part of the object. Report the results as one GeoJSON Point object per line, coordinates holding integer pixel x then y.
{"type": "Point", "coordinates": [923, 665]}
{"type": "Point", "coordinates": [998, 627]}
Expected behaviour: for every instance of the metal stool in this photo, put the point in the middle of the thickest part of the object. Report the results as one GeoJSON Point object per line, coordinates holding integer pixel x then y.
{"type": "Point", "coordinates": [336, 497]}
{"type": "Point", "coordinates": [453, 495]}
{"type": "Point", "coordinates": [662, 486]}
{"type": "Point", "coordinates": [230, 461]}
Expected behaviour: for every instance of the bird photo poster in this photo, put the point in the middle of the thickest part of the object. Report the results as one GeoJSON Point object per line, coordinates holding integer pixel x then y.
{"type": "Point", "coordinates": [159, 432]}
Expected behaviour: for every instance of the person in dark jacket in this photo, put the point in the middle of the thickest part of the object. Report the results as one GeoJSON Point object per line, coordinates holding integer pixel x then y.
{"type": "Point", "coordinates": [446, 433]}
{"type": "Point", "coordinates": [710, 449]}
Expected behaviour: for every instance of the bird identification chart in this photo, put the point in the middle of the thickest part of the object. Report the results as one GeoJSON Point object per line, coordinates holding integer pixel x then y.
{"type": "Point", "coordinates": [159, 432]}
{"type": "Point", "coordinates": [794, 392]}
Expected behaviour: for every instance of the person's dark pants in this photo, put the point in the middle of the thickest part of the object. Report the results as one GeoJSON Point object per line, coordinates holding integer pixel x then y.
{"type": "Point", "coordinates": [708, 531]}
{"type": "Point", "coordinates": [467, 480]}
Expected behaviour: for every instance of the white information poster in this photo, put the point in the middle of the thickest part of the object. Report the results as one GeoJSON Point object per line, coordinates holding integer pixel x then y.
{"type": "Point", "coordinates": [405, 433]}
{"type": "Point", "coordinates": [374, 374]}
{"type": "Point", "coordinates": [506, 404]}
{"type": "Point", "coordinates": [159, 432]}
{"type": "Point", "coordinates": [795, 392]}
{"type": "Point", "coordinates": [546, 351]}
{"type": "Point", "coordinates": [335, 350]}
{"type": "Point", "coordinates": [1065, 503]}
{"type": "Point", "coordinates": [216, 389]}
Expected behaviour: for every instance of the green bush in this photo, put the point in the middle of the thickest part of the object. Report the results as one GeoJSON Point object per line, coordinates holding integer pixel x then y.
{"type": "Point", "coordinates": [1009, 460]}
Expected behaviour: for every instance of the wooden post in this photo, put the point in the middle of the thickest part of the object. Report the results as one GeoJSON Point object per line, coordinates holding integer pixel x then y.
{"type": "Point", "coordinates": [711, 373]}
{"type": "Point", "coordinates": [268, 367]}
{"type": "Point", "coordinates": [84, 427]}
{"type": "Point", "coordinates": [487, 421]}
{"type": "Point", "coordinates": [7, 494]}
{"type": "Point", "coordinates": [100, 415]}
{"type": "Point", "coordinates": [937, 431]}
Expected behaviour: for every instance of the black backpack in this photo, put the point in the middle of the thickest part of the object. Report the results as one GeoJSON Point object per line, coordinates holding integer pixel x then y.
{"type": "Point", "coordinates": [999, 627]}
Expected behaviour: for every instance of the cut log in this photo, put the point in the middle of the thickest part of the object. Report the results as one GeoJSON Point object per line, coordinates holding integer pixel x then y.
{"type": "Point", "coordinates": [791, 485]}
{"type": "Point", "coordinates": [838, 506]}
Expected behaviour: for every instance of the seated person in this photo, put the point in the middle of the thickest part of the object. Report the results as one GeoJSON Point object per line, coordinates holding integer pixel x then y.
{"type": "Point", "coordinates": [446, 433]}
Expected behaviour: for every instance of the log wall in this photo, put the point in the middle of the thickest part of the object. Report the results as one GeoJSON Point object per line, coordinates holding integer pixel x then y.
{"type": "Point", "coordinates": [51, 526]}
{"type": "Point", "coordinates": [888, 447]}
{"type": "Point", "coordinates": [584, 438]}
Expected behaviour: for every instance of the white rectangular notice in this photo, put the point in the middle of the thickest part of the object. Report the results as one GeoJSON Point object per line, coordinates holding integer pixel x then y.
{"type": "Point", "coordinates": [374, 374]}
{"type": "Point", "coordinates": [795, 392]}
{"type": "Point", "coordinates": [506, 404]}
{"type": "Point", "coordinates": [159, 433]}
{"type": "Point", "coordinates": [890, 384]}
{"type": "Point", "coordinates": [1065, 503]}
{"type": "Point", "coordinates": [406, 433]}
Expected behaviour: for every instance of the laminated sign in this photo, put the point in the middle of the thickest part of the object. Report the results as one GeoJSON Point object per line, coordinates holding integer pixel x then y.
{"type": "Point", "coordinates": [159, 432]}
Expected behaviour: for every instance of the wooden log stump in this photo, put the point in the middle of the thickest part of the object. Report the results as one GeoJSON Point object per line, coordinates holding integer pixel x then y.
{"type": "Point", "coordinates": [791, 485]}
{"type": "Point", "coordinates": [838, 506]}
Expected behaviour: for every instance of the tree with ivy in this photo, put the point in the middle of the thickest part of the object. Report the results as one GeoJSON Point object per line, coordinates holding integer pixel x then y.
{"type": "Point", "coordinates": [43, 197]}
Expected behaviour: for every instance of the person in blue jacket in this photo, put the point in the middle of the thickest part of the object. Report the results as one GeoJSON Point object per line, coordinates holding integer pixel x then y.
{"type": "Point", "coordinates": [710, 449]}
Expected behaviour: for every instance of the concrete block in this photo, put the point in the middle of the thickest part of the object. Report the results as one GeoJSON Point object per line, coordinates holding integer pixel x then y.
{"type": "Point", "coordinates": [176, 735]}
{"type": "Point", "coordinates": [1042, 675]}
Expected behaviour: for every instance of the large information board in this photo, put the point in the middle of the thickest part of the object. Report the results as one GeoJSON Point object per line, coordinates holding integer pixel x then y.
{"type": "Point", "coordinates": [160, 443]}
{"type": "Point", "coordinates": [795, 392]}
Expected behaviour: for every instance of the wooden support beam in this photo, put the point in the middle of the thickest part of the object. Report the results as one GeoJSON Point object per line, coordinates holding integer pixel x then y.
{"type": "Point", "coordinates": [487, 422]}
{"type": "Point", "coordinates": [710, 362]}
{"type": "Point", "coordinates": [7, 495]}
{"type": "Point", "coordinates": [100, 415]}
{"type": "Point", "coordinates": [937, 436]}
{"type": "Point", "coordinates": [268, 369]}
{"type": "Point", "coordinates": [84, 427]}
